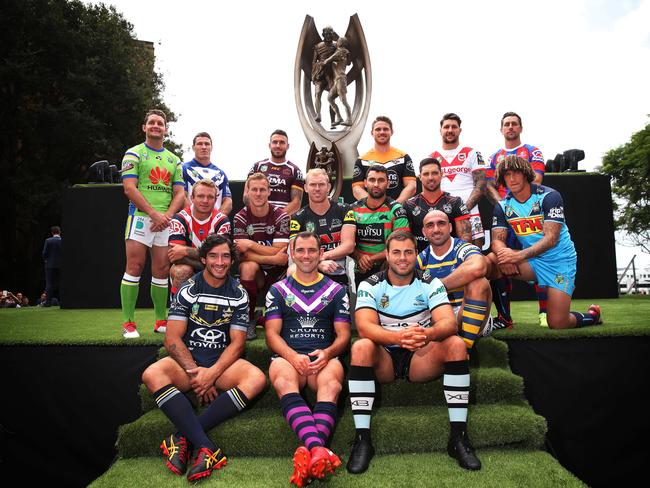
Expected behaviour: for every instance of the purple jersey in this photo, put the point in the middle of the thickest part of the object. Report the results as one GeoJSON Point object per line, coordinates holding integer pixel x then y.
{"type": "Point", "coordinates": [283, 177]}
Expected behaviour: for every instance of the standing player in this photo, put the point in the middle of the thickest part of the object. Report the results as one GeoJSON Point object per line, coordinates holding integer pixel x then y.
{"type": "Point", "coordinates": [285, 178]}
{"type": "Point", "coordinates": [205, 340]}
{"type": "Point", "coordinates": [377, 217]}
{"type": "Point", "coordinates": [308, 328]}
{"type": "Point", "coordinates": [153, 182]}
{"type": "Point", "coordinates": [190, 227]}
{"type": "Point", "coordinates": [536, 215]}
{"type": "Point", "coordinates": [408, 331]}
{"type": "Point", "coordinates": [261, 236]}
{"type": "Point", "coordinates": [463, 172]}
{"type": "Point", "coordinates": [511, 128]}
{"type": "Point", "coordinates": [399, 166]}
{"type": "Point", "coordinates": [200, 168]}
{"type": "Point", "coordinates": [462, 268]}
{"type": "Point", "coordinates": [333, 222]}
{"type": "Point", "coordinates": [433, 198]}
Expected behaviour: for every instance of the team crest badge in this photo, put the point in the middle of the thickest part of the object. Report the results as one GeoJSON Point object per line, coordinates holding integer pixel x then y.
{"type": "Point", "coordinates": [227, 313]}
{"type": "Point", "coordinates": [263, 168]}
{"type": "Point", "coordinates": [384, 301]}
{"type": "Point", "coordinates": [310, 226]}
{"type": "Point", "coordinates": [158, 158]}
{"type": "Point", "coordinates": [446, 208]}
{"type": "Point", "coordinates": [126, 166]}
{"type": "Point", "coordinates": [250, 230]}
{"type": "Point", "coordinates": [559, 279]}
{"type": "Point", "coordinates": [270, 229]}
{"type": "Point", "coordinates": [426, 274]}
{"type": "Point", "coordinates": [416, 211]}
{"type": "Point", "coordinates": [509, 211]}
{"type": "Point", "coordinates": [535, 209]}
{"type": "Point", "coordinates": [195, 308]}
{"type": "Point", "coordinates": [290, 300]}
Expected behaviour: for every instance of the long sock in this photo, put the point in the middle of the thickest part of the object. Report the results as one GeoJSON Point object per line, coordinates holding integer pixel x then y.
{"type": "Point", "coordinates": [224, 407]}
{"type": "Point", "coordinates": [501, 297]}
{"type": "Point", "coordinates": [361, 384]}
{"type": "Point", "coordinates": [473, 316]}
{"type": "Point", "coordinates": [583, 319]}
{"type": "Point", "coordinates": [300, 419]}
{"type": "Point", "coordinates": [129, 296]}
{"type": "Point", "coordinates": [455, 384]}
{"type": "Point", "coordinates": [542, 297]}
{"type": "Point", "coordinates": [178, 409]}
{"type": "Point", "coordinates": [159, 297]}
{"type": "Point", "coordinates": [251, 288]}
{"type": "Point", "coordinates": [325, 415]}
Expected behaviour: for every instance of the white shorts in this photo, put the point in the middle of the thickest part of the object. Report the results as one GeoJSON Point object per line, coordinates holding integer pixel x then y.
{"type": "Point", "coordinates": [138, 228]}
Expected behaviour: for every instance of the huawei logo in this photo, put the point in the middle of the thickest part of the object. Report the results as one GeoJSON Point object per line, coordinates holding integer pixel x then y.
{"type": "Point", "coordinates": [158, 175]}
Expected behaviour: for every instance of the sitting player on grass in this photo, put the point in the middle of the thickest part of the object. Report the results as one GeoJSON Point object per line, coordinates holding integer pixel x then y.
{"type": "Point", "coordinates": [206, 334]}
{"type": "Point", "coordinates": [308, 328]}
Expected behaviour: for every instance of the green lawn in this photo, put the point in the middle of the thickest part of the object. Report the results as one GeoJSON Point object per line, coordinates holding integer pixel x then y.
{"type": "Point", "coordinates": [628, 315]}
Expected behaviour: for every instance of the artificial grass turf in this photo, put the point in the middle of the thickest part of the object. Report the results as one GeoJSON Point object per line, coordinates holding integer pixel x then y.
{"type": "Point", "coordinates": [625, 316]}
{"type": "Point", "coordinates": [501, 468]}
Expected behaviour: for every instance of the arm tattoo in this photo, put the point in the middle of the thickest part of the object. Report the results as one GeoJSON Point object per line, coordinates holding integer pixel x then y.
{"type": "Point", "coordinates": [499, 234]}
{"type": "Point", "coordinates": [182, 356]}
{"type": "Point", "coordinates": [492, 193]}
{"type": "Point", "coordinates": [464, 230]}
{"type": "Point", "coordinates": [550, 239]}
{"type": "Point", "coordinates": [480, 183]}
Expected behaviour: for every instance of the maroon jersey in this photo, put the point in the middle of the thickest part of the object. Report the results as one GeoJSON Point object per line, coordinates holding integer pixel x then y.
{"type": "Point", "coordinates": [267, 230]}
{"type": "Point", "coordinates": [186, 230]}
{"type": "Point", "coordinates": [282, 178]}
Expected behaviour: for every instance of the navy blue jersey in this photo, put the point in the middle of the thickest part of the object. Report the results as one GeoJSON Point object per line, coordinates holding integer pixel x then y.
{"type": "Point", "coordinates": [210, 314]}
{"type": "Point", "coordinates": [308, 311]}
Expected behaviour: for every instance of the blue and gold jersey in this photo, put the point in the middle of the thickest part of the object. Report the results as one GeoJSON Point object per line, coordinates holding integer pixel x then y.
{"type": "Point", "coordinates": [401, 306]}
{"type": "Point", "coordinates": [440, 266]}
{"type": "Point", "coordinates": [308, 311]}
{"type": "Point", "coordinates": [210, 313]}
{"type": "Point", "coordinates": [527, 219]}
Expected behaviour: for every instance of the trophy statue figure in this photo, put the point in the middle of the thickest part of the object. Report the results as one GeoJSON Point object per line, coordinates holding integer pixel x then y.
{"type": "Point", "coordinates": [322, 66]}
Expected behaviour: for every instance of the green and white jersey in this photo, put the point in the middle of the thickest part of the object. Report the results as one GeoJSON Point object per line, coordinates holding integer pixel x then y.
{"type": "Point", "coordinates": [157, 171]}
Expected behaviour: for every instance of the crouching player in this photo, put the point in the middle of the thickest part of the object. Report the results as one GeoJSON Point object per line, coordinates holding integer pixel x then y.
{"type": "Point", "coordinates": [462, 268]}
{"type": "Point", "coordinates": [548, 257]}
{"type": "Point", "coordinates": [308, 328]}
{"type": "Point", "coordinates": [408, 331]}
{"type": "Point", "coordinates": [206, 334]}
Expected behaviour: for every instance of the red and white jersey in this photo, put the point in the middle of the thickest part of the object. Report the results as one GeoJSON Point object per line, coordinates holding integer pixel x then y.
{"type": "Point", "coordinates": [186, 230]}
{"type": "Point", "coordinates": [457, 167]}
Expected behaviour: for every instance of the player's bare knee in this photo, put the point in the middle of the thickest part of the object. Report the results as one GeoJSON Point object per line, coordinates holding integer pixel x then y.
{"type": "Point", "coordinates": [455, 349]}
{"type": "Point", "coordinates": [255, 382]}
{"type": "Point", "coordinates": [363, 352]}
{"type": "Point", "coordinates": [248, 269]}
{"type": "Point", "coordinates": [330, 389]}
{"type": "Point", "coordinates": [478, 288]}
{"type": "Point", "coordinates": [152, 377]}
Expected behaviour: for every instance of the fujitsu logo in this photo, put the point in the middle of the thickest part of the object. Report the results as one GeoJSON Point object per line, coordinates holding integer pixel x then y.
{"type": "Point", "coordinates": [158, 175]}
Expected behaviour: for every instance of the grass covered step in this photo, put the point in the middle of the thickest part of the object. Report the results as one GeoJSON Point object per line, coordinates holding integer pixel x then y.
{"type": "Point", "coordinates": [263, 432]}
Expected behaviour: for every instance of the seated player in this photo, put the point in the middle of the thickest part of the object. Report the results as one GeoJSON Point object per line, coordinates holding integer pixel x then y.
{"type": "Point", "coordinates": [536, 215]}
{"type": "Point", "coordinates": [206, 334]}
{"type": "Point", "coordinates": [190, 227]}
{"type": "Point", "coordinates": [261, 236]}
{"type": "Point", "coordinates": [462, 268]}
{"type": "Point", "coordinates": [308, 328]}
{"type": "Point", "coordinates": [408, 331]}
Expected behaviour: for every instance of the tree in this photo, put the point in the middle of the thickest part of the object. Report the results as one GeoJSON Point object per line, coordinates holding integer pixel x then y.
{"type": "Point", "coordinates": [74, 87]}
{"type": "Point", "coordinates": [629, 167]}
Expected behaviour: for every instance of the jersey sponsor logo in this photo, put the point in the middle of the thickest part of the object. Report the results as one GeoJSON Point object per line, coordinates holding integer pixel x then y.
{"type": "Point", "coordinates": [393, 179]}
{"type": "Point", "coordinates": [335, 223]}
{"type": "Point", "coordinates": [275, 181]}
{"type": "Point", "coordinates": [322, 222]}
{"type": "Point", "coordinates": [479, 158]}
{"type": "Point", "coordinates": [366, 232]}
{"type": "Point", "coordinates": [556, 213]}
{"type": "Point", "coordinates": [384, 301]}
{"type": "Point", "coordinates": [294, 226]}
{"type": "Point", "coordinates": [209, 335]}
{"type": "Point", "coordinates": [364, 294]}
{"type": "Point", "coordinates": [127, 165]}
{"type": "Point", "coordinates": [269, 229]}
{"type": "Point", "coordinates": [307, 321]}
{"type": "Point", "coordinates": [176, 227]}
{"type": "Point", "coordinates": [356, 172]}
{"type": "Point", "coordinates": [158, 175]}
{"type": "Point", "coordinates": [419, 301]}
{"type": "Point", "coordinates": [537, 155]}
{"type": "Point", "coordinates": [328, 241]}
{"type": "Point", "coordinates": [527, 225]}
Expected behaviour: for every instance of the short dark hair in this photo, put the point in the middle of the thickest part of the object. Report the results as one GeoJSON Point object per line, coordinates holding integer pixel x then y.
{"type": "Point", "coordinates": [55, 229]}
{"type": "Point", "coordinates": [382, 118]}
{"type": "Point", "coordinates": [279, 132]}
{"type": "Point", "coordinates": [401, 235]}
{"type": "Point", "coordinates": [427, 161]}
{"type": "Point", "coordinates": [305, 235]}
{"type": "Point", "coordinates": [379, 168]}
{"type": "Point", "coordinates": [513, 162]}
{"type": "Point", "coordinates": [201, 134]}
{"type": "Point", "coordinates": [511, 114]}
{"type": "Point", "coordinates": [214, 240]}
{"type": "Point", "coordinates": [155, 111]}
{"type": "Point", "coordinates": [450, 116]}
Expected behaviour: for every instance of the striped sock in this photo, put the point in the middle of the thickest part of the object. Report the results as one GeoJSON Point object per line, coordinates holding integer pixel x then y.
{"type": "Point", "coordinates": [361, 384]}
{"type": "Point", "coordinates": [159, 297]}
{"type": "Point", "coordinates": [473, 316]}
{"type": "Point", "coordinates": [325, 415]}
{"type": "Point", "coordinates": [542, 297]}
{"type": "Point", "coordinates": [300, 419]}
{"type": "Point", "coordinates": [129, 296]}
{"type": "Point", "coordinates": [455, 384]}
{"type": "Point", "coordinates": [583, 319]}
{"type": "Point", "coordinates": [224, 407]}
{"type": "Point", "coordinates": [178, 409]}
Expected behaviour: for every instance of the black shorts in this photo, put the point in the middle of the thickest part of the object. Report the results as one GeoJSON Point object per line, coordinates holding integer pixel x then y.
{"type": "Point", "coordinates": [401, 361]}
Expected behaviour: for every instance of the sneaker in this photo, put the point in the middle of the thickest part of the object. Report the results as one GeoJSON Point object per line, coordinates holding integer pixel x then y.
{"type": "Point", "coordinates": [360, 456]}
{"type": "Point", "coordinates": [594, 311]}
{"type": "Point", "coordinates": [160, 326]}
{"type": "Point", "coordinates": [542, 319]}
{"type": "Point", "coordinates": [461, 450]}
{"type": "Point", "coordinates": [323, 462]}
{"type": "Point", "coordinates": [301, 464]}
{"type": "Point", "coordinates": [129, 330]}
{"type": "Point", "coordinates": [492, 324]}
{"type": "Point", "coordinates": [176, 450]}
{"type": "Point", "coordinates": [204, 461]}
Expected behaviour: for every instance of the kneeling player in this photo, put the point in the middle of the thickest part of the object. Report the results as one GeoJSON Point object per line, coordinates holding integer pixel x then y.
{"type": "Point", "coordinates": [462, 268]}
{"type": "Point", "coordinates": [206, 334]}
{"type": "Point", "coordinates": [536, 215]}
{"type": "Point", "coordinates": [308, 327]}
{"type": "Point", "coordinates": [408, 330]}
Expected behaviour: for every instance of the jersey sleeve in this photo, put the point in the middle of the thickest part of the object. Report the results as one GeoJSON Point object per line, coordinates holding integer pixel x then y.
{"type": "Point", "coordinates": [222, 226]}
{"type": "Point", "coordinates": [477, 163]}
{"type": "Point", "coordinates": [499, 218]}
{"type": "Point", "coordinates": [252, 170]}
{"type": "Point", "coordinates": [357, 174]}
{"type": "Point", "coordinates": [295, 224]}
{"type": "Point", "coordinates": [239, 319]}
{"type": "Point", "coordinates": [536, 159]}
{"type": "Point", "coordinates": [365, 296]}
{"type": "Point", "coordinates": [274, 304]}
{"type": "Point", "coordinates": [400, 220]}
{"type": "Point", "coordinates": [177, 231]}
{"type": "Point", "coordinates": [281, 228]}
{"type": "Point", "coordinates": [239, 231]}
{"type": "Point", "coordinates": [465, 251]}
{"type": "Point", "coordinates": [299, 181]}
{"type": "Point", "coordinates": [437, 294]}
{"type": "Point", "coordinates": [348, 218]}
{"type": "Point", "coordinates": [491, 166]}
{"type": "Point", "coordinates": [181, 306]}
{"type": "Point", "coordinates": [225, 187]}
{"type": "Point", "coordinates": [341, 306]}
{"type": "Point", "coordinates": [409, 171]}
{"type": "Point", "coordinates": [553, 207]}
{"type": "Point", "coordinates": [177, 179]}
{"type": "Point", "coordinates": [130, 164]}
{"type": "Point", "coordinates": [459, 210]}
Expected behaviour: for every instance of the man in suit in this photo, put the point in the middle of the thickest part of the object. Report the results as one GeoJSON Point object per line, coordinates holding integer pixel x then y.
{"type": "Point", "coordinates": [53, 261]}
